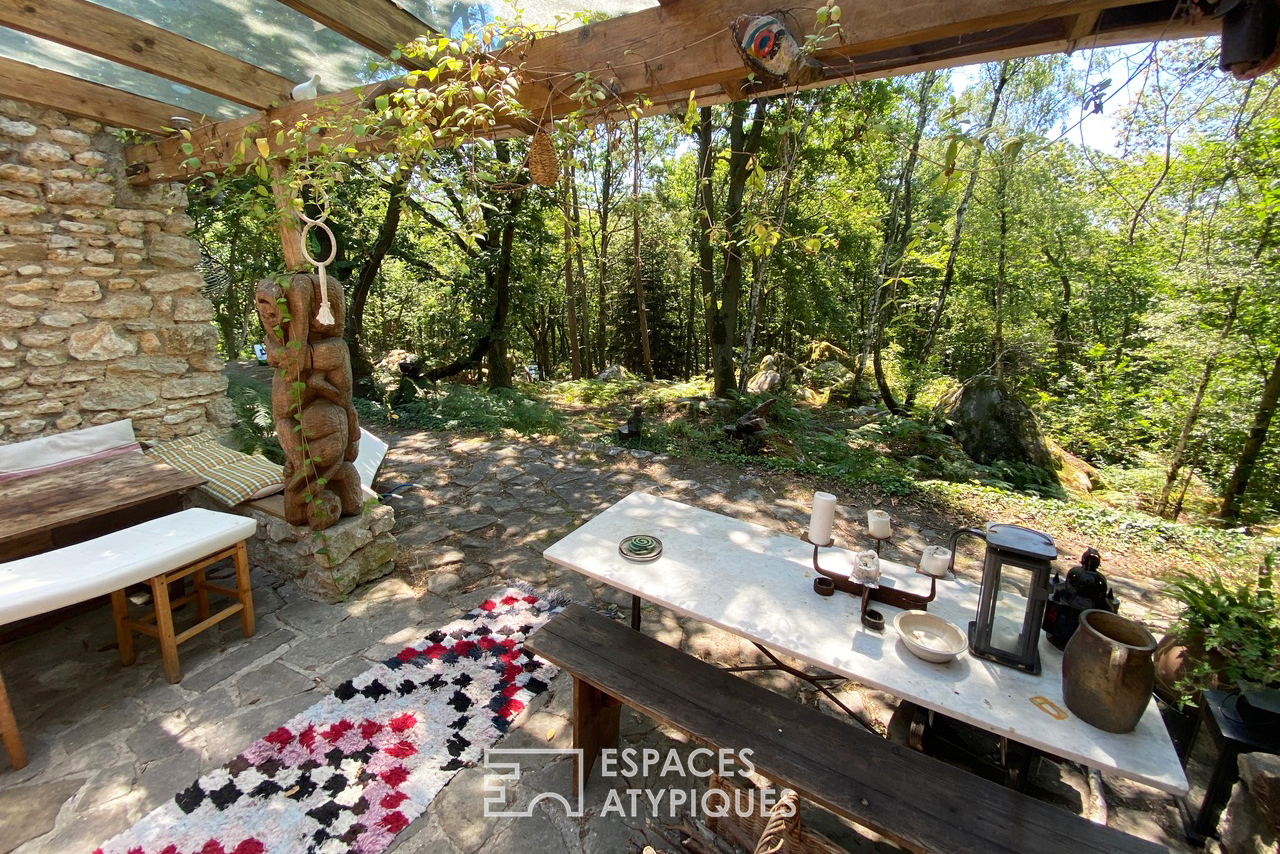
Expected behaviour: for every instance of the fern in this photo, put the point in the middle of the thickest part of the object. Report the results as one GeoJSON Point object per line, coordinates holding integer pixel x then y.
{"type": "Point", "coordinates": [255, 430]}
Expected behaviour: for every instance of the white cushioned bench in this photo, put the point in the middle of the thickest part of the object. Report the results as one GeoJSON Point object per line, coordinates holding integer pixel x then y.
{"type": "Point", "coordinates": [159, 552]}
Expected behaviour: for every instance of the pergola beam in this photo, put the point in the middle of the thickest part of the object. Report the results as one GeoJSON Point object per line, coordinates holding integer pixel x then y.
{"type": "Point", "coordinates": [635, 55]}
{"type": "Point", "coordinates": [686, 45]}
{"type": "Point", "coordinates": [378, 25]}
{"type": "Point", "coordinates": [111, 35]}
{"type": "Point", "coordinates": [76, 97]}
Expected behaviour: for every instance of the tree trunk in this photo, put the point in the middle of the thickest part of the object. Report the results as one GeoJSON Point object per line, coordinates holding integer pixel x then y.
{"type": "Point", "coordinates": [361, 366]}
{"type": "Point", "coordinates": [496, 357]}
{"type": "Point", "coordinates": [571, 301]}
{"type": "Point", "coordinates": [706, 218]}
{"type": "Point", "coordinates": [690, 328]}
{"type": "Point", "coordinates": [1233, 495]}
{"type": "Point", "coordinates": [948, 276]}
{"type": "Point", "coordinates": [1002, 260]}
{"type": "Point", "coordinates": [897, 233]}
{"type": "Point", "coordinates": [1062, 329]}
{"type": "Point", "coordinates": [743, 144]}
{"type": "Point", "coordinates": [1193, 413]}
{"type": "Point", "coordinates": [646, 361]}
{"type": "Point", "coordinates": [606, 194]}
{"type": "Point", "coordinates": [791, 147]}
{"type": "Point", "coordinates": [582, 273]}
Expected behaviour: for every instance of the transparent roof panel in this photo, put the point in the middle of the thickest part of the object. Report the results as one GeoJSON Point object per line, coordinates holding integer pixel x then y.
{"type": "Point", "coordinates": [457, 17]}
{"type": "Point", "coordinates": [272, 36]}
{"type": "Point", "coordinates": [55, 57]}
{"type": "Point", "coordinates": [264, 33]}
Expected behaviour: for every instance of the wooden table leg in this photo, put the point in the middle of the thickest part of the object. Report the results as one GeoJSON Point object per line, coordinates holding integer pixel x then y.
{"type": "Point", "coordinates": [124, 634]}
{"type": "Point", "coordinates": [164, 629]}
{"type": "Point", "coordinates": [243, 588]}
{"type": "Point", "coordinates": [9, 731]}
{"type": "Point", "coordinates": [596, 716]}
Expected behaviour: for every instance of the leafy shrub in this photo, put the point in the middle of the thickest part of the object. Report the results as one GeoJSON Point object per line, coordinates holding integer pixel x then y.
{"type": "Point", "coordinates": [1238, 619]}
{"type": "Point", "coordinates": [255, 429]}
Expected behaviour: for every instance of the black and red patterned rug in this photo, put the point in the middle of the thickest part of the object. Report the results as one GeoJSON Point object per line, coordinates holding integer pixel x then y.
{"type": "Point", "coordinates": [355, 769]}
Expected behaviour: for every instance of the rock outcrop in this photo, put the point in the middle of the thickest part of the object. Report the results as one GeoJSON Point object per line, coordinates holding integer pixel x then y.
{"type": "Point", "coordinates": [992, 423]}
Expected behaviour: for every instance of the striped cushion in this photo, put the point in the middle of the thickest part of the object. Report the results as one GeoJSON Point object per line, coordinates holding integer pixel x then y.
{"type": "Point", "coordinates": [232, 477]}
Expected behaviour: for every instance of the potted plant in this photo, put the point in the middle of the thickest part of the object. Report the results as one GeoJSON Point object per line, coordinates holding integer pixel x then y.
{"type": "Point", "coordinates": [1226, 636]}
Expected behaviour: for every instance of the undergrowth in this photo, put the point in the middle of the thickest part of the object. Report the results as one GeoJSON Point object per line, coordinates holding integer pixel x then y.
{"type": "Point", "coordinates": [462, 407]}
{"type": "Point", "coordinates": [1116, 528]}
{"type": "Point", "coordinates": [630, 391]}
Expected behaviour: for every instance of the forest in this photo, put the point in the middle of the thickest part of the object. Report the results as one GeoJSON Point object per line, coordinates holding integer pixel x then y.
{"type": "Point", "coordinates": [881, 243]}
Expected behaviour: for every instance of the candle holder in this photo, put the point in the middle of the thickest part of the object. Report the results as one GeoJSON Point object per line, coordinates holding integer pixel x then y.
{"type": "Point", "coordinates": [873, 591]}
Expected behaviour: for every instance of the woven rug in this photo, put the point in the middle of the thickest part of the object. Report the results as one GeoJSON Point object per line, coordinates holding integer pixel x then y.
{"type": "Point", "coordinates": [355, 769]}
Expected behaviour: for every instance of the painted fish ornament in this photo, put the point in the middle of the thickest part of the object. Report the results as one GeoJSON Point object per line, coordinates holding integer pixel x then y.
{"type": "Point", "coordinates": [769, 49]}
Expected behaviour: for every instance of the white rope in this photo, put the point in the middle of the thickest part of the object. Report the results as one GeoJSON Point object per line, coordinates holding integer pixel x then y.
{"type": "Point", "coordinates": [325, 314]}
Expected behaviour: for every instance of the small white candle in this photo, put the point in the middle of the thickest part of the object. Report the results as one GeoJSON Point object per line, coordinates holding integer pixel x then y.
{"type": "Point", "coordinates": [879, 525]}
{"type": "Point", "coordinates": [867, 567]}
{"type": "Point", "coordinates": [935, 561]}
{"type": "Point", "coordinates": [821, 518]}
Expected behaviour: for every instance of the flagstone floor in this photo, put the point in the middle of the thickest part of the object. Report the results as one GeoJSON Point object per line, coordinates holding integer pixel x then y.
{"type": "Point", "coordinates": [107, 744]}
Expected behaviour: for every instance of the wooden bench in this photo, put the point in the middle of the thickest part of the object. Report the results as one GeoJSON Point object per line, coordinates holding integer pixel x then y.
{"type": "Point", "coordinates": [158, 552]}
{"type": "Point", "coordinates": [918, 802]}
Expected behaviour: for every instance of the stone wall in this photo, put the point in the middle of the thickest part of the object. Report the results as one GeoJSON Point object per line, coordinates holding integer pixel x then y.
{"type": "Point", "coordinates": [101, 317]}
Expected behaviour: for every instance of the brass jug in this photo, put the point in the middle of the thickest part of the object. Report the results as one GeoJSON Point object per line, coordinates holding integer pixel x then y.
{"type": "Point", "coordinates": [1108, 672]}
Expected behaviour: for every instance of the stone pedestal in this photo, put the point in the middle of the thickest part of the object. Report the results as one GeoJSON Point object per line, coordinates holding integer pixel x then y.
{"type": "Point", "coordinates": [326, 565]}
{"type": "Point", "coordinates": [329, 564]}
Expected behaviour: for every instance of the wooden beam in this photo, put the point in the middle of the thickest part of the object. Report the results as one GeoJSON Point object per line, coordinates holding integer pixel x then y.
{"type": "Point", "coordinates": [378, 25]}
{"type": "Point", "coordinates": [1083, 24]}
{"type": "Point", "coordinates": [894, 43]}
{"type": "Point", "coordinates": [650, 50]}
{"type": "Point", "coordinates": [111, 35]}
{"type": "Point", "coordinates": [733, 88]}
{"type": "Point", "coordinates": [77, 97]}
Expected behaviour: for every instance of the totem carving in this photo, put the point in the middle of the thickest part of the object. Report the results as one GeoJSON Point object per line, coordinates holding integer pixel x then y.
{"type": "Point", "coordinates": [311, 398]}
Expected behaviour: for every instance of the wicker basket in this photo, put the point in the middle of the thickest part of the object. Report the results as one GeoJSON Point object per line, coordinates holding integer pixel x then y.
{"type": "Point", "coordinates": [772, 832]}
{"type": "Point", "coordinates": [544, 163]}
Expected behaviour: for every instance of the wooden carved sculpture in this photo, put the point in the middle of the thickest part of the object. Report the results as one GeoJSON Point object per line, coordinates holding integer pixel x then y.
{"type": "Point", "coordinates": [311, 400]}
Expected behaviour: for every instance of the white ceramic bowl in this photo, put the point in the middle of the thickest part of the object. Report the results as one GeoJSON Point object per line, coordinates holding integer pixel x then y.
{"type": "Point", "coordinates": [928, 637]}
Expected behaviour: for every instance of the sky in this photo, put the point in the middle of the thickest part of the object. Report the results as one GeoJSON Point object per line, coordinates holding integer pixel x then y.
{"type": "Point", "coordinates": [1097, 130]}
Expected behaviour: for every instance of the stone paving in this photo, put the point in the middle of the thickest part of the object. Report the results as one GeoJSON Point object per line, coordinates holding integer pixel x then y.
{"type": "Point", "coordinates": [108, 744]}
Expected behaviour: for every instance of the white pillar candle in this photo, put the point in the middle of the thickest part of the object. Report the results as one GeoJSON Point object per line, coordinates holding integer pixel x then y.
{"type": "Point", "coordinates": [867, 568]}
{"type": "Point", "coordinates": [821, 518]}
{"type": "Point", "coordinates": [935, 561]}
{"type": "Point", "coordinates": [879, 525]}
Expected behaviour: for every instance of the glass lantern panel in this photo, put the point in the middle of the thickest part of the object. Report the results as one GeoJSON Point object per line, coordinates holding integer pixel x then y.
{"type": "Point", "coordinates": [1010, 618]}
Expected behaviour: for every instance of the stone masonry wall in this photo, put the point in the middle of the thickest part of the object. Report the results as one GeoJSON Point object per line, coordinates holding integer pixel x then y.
{"type": "Point", "coordinates": [101, 317]}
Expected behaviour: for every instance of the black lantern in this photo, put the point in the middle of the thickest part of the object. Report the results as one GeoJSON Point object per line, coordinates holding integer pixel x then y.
{"type": "Point", "coordinates": [1015, 585]}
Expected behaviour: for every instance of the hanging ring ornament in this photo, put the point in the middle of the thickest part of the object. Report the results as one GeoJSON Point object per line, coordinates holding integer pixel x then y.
{"type": "Point", "coordinates": [325, 314]}
{"type": "Point", "coordinates": [321, 201]}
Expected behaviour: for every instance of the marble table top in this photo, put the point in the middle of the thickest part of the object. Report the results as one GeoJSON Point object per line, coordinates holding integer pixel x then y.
{"type": "Point", "coordinates": [758, 583]}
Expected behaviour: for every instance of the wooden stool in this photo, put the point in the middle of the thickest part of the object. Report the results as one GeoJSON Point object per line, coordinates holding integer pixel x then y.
{"type": "Point", "coordinates": [158, 623]}
{"type": "Point", "coordinates": [9, 731]}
